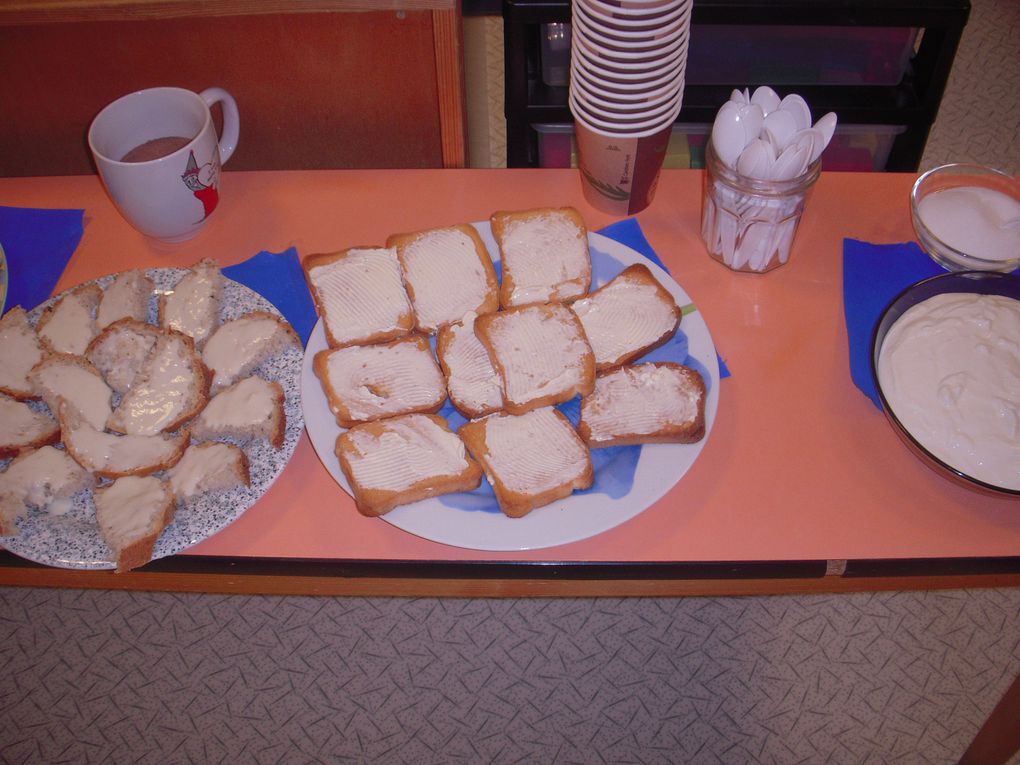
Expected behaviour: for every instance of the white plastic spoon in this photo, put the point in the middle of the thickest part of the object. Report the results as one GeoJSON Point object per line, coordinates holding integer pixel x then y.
{"type": "Point", "coordinates": [766, 98]}
{"type": "Point", "coordinates": [798, 107]}
{"type": "Point", "coordinates": [780, 126]}
{"type": "Point", "coordinates": [792, 162]}
{"type": "Point", "coordinates": [728, 134]}
{"type": "Point", "coordinates": [826, 126]}
{"type": "Point", "coordinates": [756, 160]}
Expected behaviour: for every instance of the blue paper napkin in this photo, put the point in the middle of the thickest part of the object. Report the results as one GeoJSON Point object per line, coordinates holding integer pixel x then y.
{"type": "Point", "coordinates": [874, 274]}
{"type": "Point", "coordinates": [628, 231]}
{"type": "Point", "coordinates": [38, 244]}
{"type": "Point", "coordinates": [278, 277]}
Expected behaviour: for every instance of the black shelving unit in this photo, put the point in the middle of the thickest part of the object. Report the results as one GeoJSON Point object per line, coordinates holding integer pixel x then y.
{"type": "Point", "coordinates": [910, 104]}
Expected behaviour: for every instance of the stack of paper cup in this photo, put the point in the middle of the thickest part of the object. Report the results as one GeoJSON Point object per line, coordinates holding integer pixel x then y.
{"type": "Point", "coordinates": [628, 59]}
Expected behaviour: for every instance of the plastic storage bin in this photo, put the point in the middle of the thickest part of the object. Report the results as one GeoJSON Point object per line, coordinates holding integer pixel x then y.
{"type": "Point", "coordinates": [789, 55]}
{"type": "Point", "coordinates": [860, 148]}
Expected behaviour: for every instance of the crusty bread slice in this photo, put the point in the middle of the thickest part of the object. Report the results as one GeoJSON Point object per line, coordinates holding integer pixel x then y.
{"type": "Point", "coordinates": [212, 466]}
{"type": "Point", "coordinates": [541, 354]}
{"type": "Point", "coordinates": [360, 295]}
{"type": "Point", "coordinates": [655, 402]}
{"type": "Point", "coordinates": [530, 459]}
{"type": "Point", "coordinates": [21, 427]}
{"type": "Point", "coordinates": [38, 478]}
{"type": "Point", "coordinates": [109, 455]}
{"type": "Point", "coordinates": [448, 272]}
{"type": "Point", "coordinates": [544, 255]}
{"type": "Point", "coordinates": [120, 350]}
{"type": "Point", "coordinates": [369, 382]}
{"type": "Point", "coordinates": [402, 460]}
{"type": "Point", "coordinates": [193, 306]}
{"type": "Point", "coordinates": [126, 297]}
{"type": "Point", "coordinates": [132, 512]}
{"type": "Point", "coordinates": [69, 325]}
{"type": "Point", "coordinates": [627, 317]}
{"type": "Point", "coordinates": [249, 409]}
{"type": "Point", "coordinates": [238, 346]}
{"type": "Point", "coordinates": [66, 377]}
{"type": "Point", "coordinates": [475, 387]}
{"type": "Point", "coordinates": [20, 350]}
{"type": "Point", "coordinates": [171, 388]}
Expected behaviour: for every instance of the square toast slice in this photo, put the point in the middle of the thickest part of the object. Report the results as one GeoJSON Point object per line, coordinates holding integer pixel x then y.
{"type": "Point", "coordinates": [530, 459]}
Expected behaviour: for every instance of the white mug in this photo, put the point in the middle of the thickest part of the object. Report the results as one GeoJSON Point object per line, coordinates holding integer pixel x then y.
{"type": "Point", "coordinates": [159, 157]}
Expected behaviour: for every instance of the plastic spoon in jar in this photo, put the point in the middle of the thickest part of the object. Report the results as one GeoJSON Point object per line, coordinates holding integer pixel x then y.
{"type": "Point", "coordinates": [826, 126]}
{"type": "Point", "coordinates": [766, 98]}
{"type": "Point", "coordinates": [756, 160]}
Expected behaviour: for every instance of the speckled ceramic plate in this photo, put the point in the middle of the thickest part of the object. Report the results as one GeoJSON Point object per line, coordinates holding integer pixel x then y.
{"type": "Point", "coordinates": [72, 540]}
{"type": "Point", "coordinates": [628, 479]}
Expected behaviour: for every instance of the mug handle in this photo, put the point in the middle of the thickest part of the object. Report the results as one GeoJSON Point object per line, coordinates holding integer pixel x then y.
{"type": "Point", "coordinates": [231, 121]}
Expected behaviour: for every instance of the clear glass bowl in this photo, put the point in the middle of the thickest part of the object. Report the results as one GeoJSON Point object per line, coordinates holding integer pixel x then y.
{"type": "Point", "coordinates": [984, 283]}
{"type": "Point", "coordinates": [954, 256]}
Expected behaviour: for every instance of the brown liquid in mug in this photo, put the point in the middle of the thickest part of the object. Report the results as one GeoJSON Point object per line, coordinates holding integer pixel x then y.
{"type": "Point", "coordinates": [155, 149]}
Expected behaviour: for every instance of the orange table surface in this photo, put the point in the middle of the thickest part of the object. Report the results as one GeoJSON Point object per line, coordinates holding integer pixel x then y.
{"type": "Point", "coordinates": [799, 466]}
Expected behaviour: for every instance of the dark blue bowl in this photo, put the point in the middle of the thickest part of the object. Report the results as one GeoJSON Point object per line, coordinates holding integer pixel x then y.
{"type": "Point", "coordinates": [979, 282]}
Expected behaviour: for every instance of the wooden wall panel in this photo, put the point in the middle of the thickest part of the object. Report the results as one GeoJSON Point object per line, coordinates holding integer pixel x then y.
{"type": "Point", "coordinates": [315, 90]}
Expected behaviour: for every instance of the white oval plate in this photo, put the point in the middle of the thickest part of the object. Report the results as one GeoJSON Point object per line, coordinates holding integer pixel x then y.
{"type": "Point", "coordinates": [72, 540]}
{"type": "Point", "coordinates": [627, 479]}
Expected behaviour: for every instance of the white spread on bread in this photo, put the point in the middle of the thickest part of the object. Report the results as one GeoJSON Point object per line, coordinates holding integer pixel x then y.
{"type": "Point", "coordinates": [109, 454]}
{"type": "Point", "coordinates": [378, 380]}
{"type": "Point", "coordinates": [541, 350]}
{"type": "Point", "coordinates": [408, 450]}
{"type": "Point", "coordinates": [473, 383]}
{"type": "Point", "coordinates": [639, 400]}
{"type": "Point", "coordinates": [19, 349]}
{"type": "Point", "coordinates": [70, 326]}
{"type": "Point", "coordinates": [444, 273]}
{"type": "Point", "coordinates": [120, 351]}
{"type": "Point", "coordinates": [248, 402]}
{"type": "Point", "coordinates": [623, 316]}
{"type": "Point", "coordinates": [168, 384]}
{"type": "Point", "coordinates": [533, 452]}
{"type": "Point", "coordinates": [950, 370]}
{"type": "Point", "coordinates": [213, 462]}
{"type": "Point", "coordinates": [20, 424]}
{"type": "Point", "coordinates": [193, 306]}
{"type": "Point", "coordinates": [361, 295]}
{"type": "Point", "coordinates": [40, 477]}
{"type": "Point", "coordinates": [233, 347]}
{"type": "Point", "coordinates": [127, 297]}
{"type": "Point", "coordinates": [547, 255]}
{"type": "Point", "coordinates": [61, 377]}
{"type": "Point", "coordinates": [129, 509]}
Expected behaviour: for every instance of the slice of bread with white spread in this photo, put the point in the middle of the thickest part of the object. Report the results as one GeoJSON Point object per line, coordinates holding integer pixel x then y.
{"type": "Point", "coordinates": [238, 346]}
{"type": "Point", "coordinates": [627, 317]}
{"type": "Point", "coordinates": [249, 409]}
{"type": "Point", "coordinates": [369, 382]}
{"type": "Point", "coordinates": [66, 377]}
{"type": "Point", "coordinates": [448, 272]}
{"type": "Point", "coordinates": [193, 306]}
{"type": "Point", "coordinates": [69, 325]}
{"type": "Point", "coordinates": [654, 402]}
{"type": "Point", "coordinates": [171, 388]}
{"type": "Point", "coordinates": [541, 354]}
{"type": "Point", "coordinates": [109, 455]}
{"type": "Point", "coordinates": [544, 255]}
{"type": "Point", "coordinates": [126, 297]}
{"type": "Point", "coordinates": [120, 350]}
{"type": "Point", "coordinates": [22, 427]}
{"type": "Point", "coordinates": [360, 295]}
{"type": "Point", "coordinates": [132, 512]}
{"type": "Point", "coordinates": [530, 459]}
{"type": "Point", "coordinates": [45, 478]}
{"type": "Point", "coordinates": [211, 466]}
{"type": "Point", "coordinates": [402, 460]}
{"type": "Point", "coordinates": [20, 350]}
{"type": "Point", "coordinates": [475, 388]}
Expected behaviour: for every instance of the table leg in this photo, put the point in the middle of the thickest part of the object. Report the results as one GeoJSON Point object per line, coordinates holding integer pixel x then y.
{"type": "Point", "coordinates": [999, 737]}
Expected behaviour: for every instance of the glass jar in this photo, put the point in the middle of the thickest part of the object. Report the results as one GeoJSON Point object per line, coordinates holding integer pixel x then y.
{"type": "Point", "coordinates": [747, 224]}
